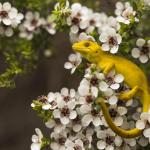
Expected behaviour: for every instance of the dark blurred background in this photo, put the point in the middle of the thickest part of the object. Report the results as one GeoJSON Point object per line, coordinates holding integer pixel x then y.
{"type": "Point", "coordinates": [17, 119]}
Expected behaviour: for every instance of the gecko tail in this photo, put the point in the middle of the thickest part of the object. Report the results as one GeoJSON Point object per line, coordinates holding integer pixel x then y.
{"type": "Point", "coordinates": [121, 132]}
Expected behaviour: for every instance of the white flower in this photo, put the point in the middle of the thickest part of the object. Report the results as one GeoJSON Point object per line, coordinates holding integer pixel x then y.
{"type": "Point", "coordinates": [112, 81]}
{"type": "Point", "coordinates": [93, 116]}
{"type": "Point", "coordinates": [55, 125]}
{"type": "Point", "coordinates": [128, 144]}
{"type": "Point", "coordinates": [24, 33]}
{"type": "Point", "coordinates": [143, 124]}
{"type": "Point", "coordinates": [89, 85]}
{"type": "Point", "coordinates": [117, 113]}
{"type": "Point", "coordinates": [77, 144]}
{"type": "Point", "coordinates": [87, 88]}
{"type": "Point", "coordinates": [9, 15]}
{"type": "Point", "coordinates": [147, 2]}
{"type": "Point", "coordinates": [31, 25]}
{"type": "Point", "coordinates": [142, 51]}
{"type": "Point", "coordinates": [50, 26]}
{"type": "Point", "coordinates": [59, 140]}
{"type": "Point", "coordinates": [66, 109]}
{"type": "Point", "coordinates": [125, 12]}
{"type": "Point", "coordinates": [74, 62]}
{"type": "Point", "coordinates": [85, 36]}
{"type": "Point", "coordinates": [143, 142]}
{"type": "Point", "coordinates": [146, 133]}
{"type": "Point", "coordinates": [110, 40]}
{"type": "Point", "coordinates": [82, 22]}
{"type": "Point", "coordinates": [108, 140]}
{"type": "Point", "coordinates": [68, 95]}
{"type": "Point", "coordinates": [76, 16]}
{"type": "Point", "coordinates": [6, 31]}
{"type": "Point", "coordinates": [52, 99]}
{"type": "Point", "coordinates": [32, 21]}
{"type": "Point", "coordinates": [112, 22]}
{"type": "Point", "coordinates": [37, 140]}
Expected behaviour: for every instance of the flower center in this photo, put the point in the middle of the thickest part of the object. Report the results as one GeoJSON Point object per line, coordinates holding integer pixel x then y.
{"type": "Point", "coordinates": [42, 99]}
{"type": "Point", "coordinates": [77, 147]}
{"type": "Point", "coordinates": [34, 22]}
{"type": "Point", "coordinates": [94, 81]}
{"type": "Point", "coordinates": [110, 80]}
{"type": "Point", "coordinates": [126, 14]}
{"type": "Point", "coordinates": [109, 140]}
{"type": "Point", "coordinates": [49, 25]}
{"type": "Point", "coordinates": [92, 22]}
{"type": "Point", "coordinates": [94, 112]}
{"type": "Point", "coordinates": [3, 14]}
{"type": "Point", "coordinates": [145, 50]}
{"type": "Point", "coordinates": [75, 20]}
{"type": "Point", "coordinates": [122, 88]}
{"type": "Point", "coordinates": [66, 98]}
{"type": "Point", "coordinates": [120, 103]}
{"type": "Point", "coordinates": [53, 103]}
{"type": "Point", "coordinates": [89, 99]}
{"type": "Point", "coordinates": [77, 119]}
{"type": "Point", "coordinates": [61, 141]}
{"type": "Point", "coordinates": [86, 141]}
{"type": "Point", "coordinates": [65, 111]}
{"type": "Point", "coordinates": [113, 112]}
{"type": "Point", "coordinates": [112, 41]}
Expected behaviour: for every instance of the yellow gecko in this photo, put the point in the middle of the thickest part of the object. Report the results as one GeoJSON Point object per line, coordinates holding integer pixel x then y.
{"type": "Point", "coordinates": [133, 75]}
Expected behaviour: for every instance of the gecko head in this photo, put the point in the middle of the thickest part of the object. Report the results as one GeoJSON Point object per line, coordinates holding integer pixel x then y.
{"type": "Point", "coordinates": [88, 49]}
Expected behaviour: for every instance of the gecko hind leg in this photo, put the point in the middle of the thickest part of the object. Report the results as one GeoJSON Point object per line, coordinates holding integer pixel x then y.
{"type": "Point", "coordinates": [130, 94]}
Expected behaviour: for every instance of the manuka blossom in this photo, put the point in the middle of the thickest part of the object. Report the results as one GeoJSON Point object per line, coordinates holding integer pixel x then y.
{"type": "Point", "coordinates": [125, 13]}
{"type": "Point", "coordinates": [110, 40]}
{"type": "Point", "coordinates": [6, 31]}
{"type": "Point", "coordinates": [147, 2]}
{"type": "Point", "coordinates": [142, 51]}
{"type": "Point", "coordinates": [30, 25]}
{"type": "Point", "coordinates": [37, 140]}
{"type": "Point", "coordinates": [117, 113]}
{"type": "Point", "coordinates": [66, 104]}
{"type": "Point", "coordinates": [49, 26]}
{"type": "Point", "coordinates": [107, 140]}
{"type": "Point", "coordinates": [33, 24]}
{"type": "Point", "coordinates": [74, 61]}
{"type": "Point", "coordinates": [9, 15]}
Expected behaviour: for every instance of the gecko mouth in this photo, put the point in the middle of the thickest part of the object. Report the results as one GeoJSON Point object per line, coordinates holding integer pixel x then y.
{"type": "Point", "coordinates": [77, 48]}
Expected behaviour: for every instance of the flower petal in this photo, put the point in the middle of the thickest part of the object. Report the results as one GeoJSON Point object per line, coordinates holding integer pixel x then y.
{"type": "Point", "coordinates": [113, 100]}
{"type": "Point", "coordinates": [143, 58]}
{"type": "Point", "coordinates": [135, 53]}
{"type": "Point", "coordinates": [140, 124]}
{"type": "Point", "coordinates": [119, 78]}
{"type": "Point", "coordinates": [105, 47]}
{"type": "Point", "coordinates": [101, 145]}
{"type": "Point", "coordinates": [140, 42]}
{"type": "Point", "coordinates": [103, 86]}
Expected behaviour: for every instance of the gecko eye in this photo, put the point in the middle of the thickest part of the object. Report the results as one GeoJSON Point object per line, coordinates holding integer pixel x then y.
{"type": "Point", "coordinates": [87, 44]}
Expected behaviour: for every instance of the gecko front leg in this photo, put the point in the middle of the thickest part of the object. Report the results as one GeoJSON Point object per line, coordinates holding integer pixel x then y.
{"type": "Point", "coordinates": [130, 94]}
{"type": "Point", "coordinates": [108, 68]}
